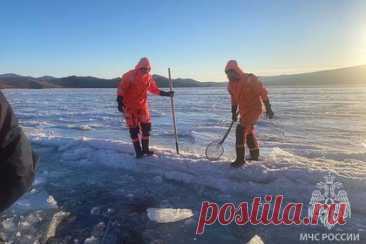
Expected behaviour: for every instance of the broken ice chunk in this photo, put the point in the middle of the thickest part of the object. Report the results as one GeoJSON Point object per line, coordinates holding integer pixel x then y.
{"type": "Point", "coordinates": [51, 201]}
{"type": "Point", "coordinates": [95, 211]}
{"type": "Point", "coordinates": [56, 220]}
{"type": "Point", "coordinates": [91, 240]}
{"type": "Point", "coordinates": [168, 215]}
{"type": "Point", "coordinates": [256, 240]}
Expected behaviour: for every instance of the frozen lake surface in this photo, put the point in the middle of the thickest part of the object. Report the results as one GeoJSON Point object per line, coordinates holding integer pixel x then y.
{"type": "Point", "coordinates": [92, 189]}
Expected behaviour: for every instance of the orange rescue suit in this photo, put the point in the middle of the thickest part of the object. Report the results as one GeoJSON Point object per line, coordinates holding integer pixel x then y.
{"type": "Point", "coordinates": [248, 93]}
{"type": "Point", "coordinates": [134, 87]}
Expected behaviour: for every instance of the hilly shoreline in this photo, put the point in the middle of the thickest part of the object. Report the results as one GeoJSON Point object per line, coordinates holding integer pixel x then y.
{"type": "Point", "coordinates": [355, 75]}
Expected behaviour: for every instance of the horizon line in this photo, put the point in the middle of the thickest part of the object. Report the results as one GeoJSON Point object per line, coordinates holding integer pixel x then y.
{"type": "Point", "coordinates": [264, 76]}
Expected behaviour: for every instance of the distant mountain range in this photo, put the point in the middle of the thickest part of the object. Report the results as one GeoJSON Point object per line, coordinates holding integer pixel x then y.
{"type": "Point", "coordinates": [344, 76]}
{"type": "Point", "coordinates": [18, 81]}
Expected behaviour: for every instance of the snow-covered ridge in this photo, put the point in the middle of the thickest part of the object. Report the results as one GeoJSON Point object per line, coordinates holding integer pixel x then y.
{"type": "Point", "coordinates": [280, 172]}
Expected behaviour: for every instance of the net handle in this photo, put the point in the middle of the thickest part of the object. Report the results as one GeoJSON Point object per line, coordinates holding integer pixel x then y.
{"type": "Point", "coordinates": [226, 133]}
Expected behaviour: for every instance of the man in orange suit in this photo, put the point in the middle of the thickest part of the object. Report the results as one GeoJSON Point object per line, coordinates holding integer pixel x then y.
{"type": "Point", "coordinates": [132, 102]}
{"type": "Point", "coordinates": [247, 95]}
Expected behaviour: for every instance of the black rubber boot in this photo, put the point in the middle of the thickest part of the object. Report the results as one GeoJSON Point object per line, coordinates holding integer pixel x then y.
{"type": "Point", "coordinates": [253, 147]}
{"type": "Point", "coordinates": [240, 154]}
{"type": "Point", "coordinates": [146, 128]}
{"type": "Point", "coordinates": [254, 155]}
{"type": "Point", "coordinates": [240, 149]}
{"type": "Point", "coordinates": [145, 147]}
{"type": "Point", "coordinates": [138, 151]}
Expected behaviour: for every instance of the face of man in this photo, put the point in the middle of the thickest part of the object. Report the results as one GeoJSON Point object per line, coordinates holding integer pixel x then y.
{"type": "Point", "coordinates": [232, 75]}
{"type": "Point", "coordinates": [144, 71]}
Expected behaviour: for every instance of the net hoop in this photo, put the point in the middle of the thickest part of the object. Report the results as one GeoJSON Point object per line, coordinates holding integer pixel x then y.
{"type": "Point", "coordinates": [214, 151]}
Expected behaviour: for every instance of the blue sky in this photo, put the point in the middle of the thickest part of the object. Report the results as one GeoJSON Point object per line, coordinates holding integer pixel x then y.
{"type": "Point", "coordinates": [194, 38]}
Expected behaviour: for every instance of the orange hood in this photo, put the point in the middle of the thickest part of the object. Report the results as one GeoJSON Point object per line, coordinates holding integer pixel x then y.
{"type": "Point", "coordinates": [143, 63]}
{"type": "Point", "coordinates": [233, 65]}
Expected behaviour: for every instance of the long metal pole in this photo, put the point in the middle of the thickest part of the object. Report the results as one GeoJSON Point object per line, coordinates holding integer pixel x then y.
{"type": "Point", "coordinates": [173, 112]}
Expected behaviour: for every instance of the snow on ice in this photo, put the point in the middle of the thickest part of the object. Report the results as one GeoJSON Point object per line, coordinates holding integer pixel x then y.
{"type": "Point", "coordinates": [88, 174]}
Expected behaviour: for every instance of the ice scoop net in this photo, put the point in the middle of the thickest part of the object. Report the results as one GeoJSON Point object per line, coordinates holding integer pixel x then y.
{"type": "Point", "coordinates": [215, 149]}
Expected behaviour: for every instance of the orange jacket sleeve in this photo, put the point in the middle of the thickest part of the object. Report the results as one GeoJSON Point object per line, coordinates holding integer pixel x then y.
{"type": "Point", "coordinates": [123, 86]}
{"type": "Point", "coordinates": [261, 90]}
{"type": "Point", "coordinates": [231, 95]}
{"type": "Point", "coordinates": [153, 88]}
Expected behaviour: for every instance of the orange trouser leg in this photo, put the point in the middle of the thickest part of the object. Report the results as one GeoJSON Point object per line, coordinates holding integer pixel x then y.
{"type": "Point", "coordinates": [134, 129]}
{"type": "Point", "coordinates": [252, 143]}
{"type": "Point", "coordinates": [239, 143]}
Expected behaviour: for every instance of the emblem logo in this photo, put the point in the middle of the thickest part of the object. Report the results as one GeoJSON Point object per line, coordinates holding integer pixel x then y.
{"type": "Point", "coordinates": [326, 194]}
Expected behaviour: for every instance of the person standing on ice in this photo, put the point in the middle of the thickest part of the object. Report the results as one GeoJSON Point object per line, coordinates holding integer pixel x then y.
{"type": "Point", "coordinates": [132, 102]}
{"type": "Point", "coordinates": [17, 161]}
{"type": "Point", "coordinates": [247, 95]}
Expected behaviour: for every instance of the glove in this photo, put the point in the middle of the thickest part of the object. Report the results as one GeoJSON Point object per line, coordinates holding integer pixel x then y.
{"type": "Point", "coordinates": [121, 106]}
{"type": "Point", "coordinates": [166, 94]}
{"type": "Point", "coordinates": [233, 113]}
{"type": "Point", "coordinates": [269, 113]}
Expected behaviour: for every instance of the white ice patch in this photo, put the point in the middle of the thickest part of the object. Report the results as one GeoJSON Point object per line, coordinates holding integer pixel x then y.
{"type": "Point", "coordinates": [56, 220]}
{"type": "Point", "coordinates": [51, 201]}
{"type": "Point", "coordinates": [256, 240]}
{"type": "Point", "coordinates": [363, 144]}
{"type": "Point", "coordinates": [91, 240]}
{"type": "Point", "coordinates": [80, 127]}
{"type": "Point", "coordinates": [168, 215]}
